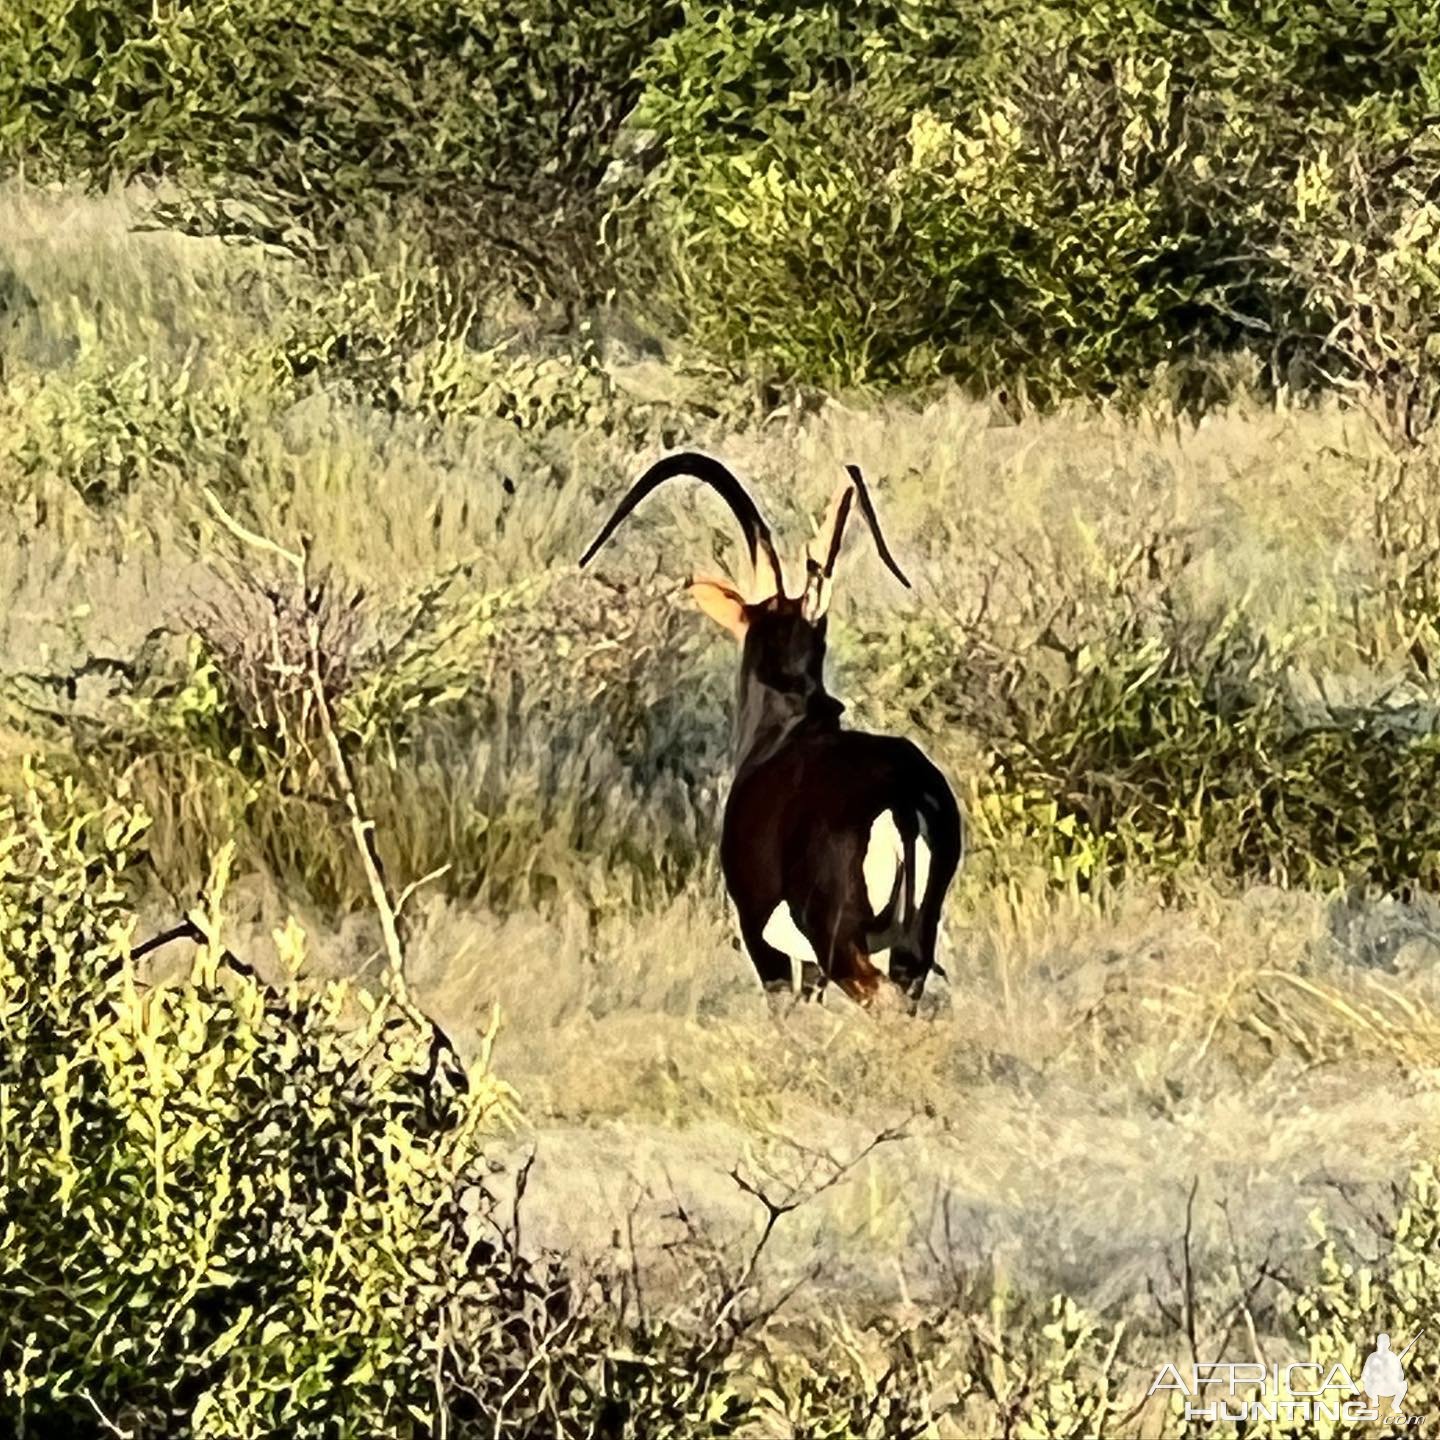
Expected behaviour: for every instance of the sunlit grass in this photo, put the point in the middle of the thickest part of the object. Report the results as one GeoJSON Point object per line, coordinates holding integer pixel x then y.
{"type": "Point", "coordinates": [1095, 1049]}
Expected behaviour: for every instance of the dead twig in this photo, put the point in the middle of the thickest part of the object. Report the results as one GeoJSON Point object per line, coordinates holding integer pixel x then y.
{"type": "Point", "coordinates": [362, 829]}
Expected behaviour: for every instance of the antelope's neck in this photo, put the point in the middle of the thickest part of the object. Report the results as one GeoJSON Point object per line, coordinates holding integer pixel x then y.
{"type": "Point", "coordinates": [767, 719]}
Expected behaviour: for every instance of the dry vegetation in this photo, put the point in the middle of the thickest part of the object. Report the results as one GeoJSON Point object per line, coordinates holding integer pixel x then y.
{"type": "Point", "coordinates": [1186, 1012]}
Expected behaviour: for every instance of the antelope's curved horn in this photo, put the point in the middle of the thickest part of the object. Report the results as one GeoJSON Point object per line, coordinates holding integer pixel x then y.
{"type": "Point", "coordinates": [825, 549]}
{"type": "Point", "coordinates": [721, 480]}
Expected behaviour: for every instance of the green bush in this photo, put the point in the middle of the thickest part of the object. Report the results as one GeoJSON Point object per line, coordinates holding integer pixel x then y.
{"type": "Point", "coordinates": [1061, 198]}
{"type": "Point", "coordinates": [236, 1209]}
{"type": "Point", "coordinates": [1157, 761]}
{"type": "Point", "coordinates": [104, 429]}
{"type": "Point", "coordinates": [1119, 733]}
{"type": "Point", "coordinates": [1359, 263]}
{"type": "Point", "coordinates": [1055, 198]}
{"type": "Point", "coordinates": [879, 227]}
{"type": "Point", "coordinates": [1386, 1280]}
{"type": "Point", "coordinates": [492, 117]}
{"type": "Point", "coordinates": [227, 1207]}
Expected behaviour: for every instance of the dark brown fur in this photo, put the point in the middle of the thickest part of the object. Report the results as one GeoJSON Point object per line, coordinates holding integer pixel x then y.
{"type": "Point", "coordinates": [798, 819]}
{"type": "Point", "coordinates": [808, 792]}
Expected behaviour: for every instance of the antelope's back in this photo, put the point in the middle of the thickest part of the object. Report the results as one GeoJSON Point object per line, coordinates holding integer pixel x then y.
{"type": "Point", "coordinates": [837, 784]}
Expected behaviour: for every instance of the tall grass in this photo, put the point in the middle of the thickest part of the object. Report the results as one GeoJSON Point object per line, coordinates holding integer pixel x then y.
{"type": "Point", "coordinates": [1183, 676]}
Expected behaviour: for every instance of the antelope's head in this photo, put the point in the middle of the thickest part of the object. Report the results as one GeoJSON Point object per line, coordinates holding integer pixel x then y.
{"type": "Point", "coordinates": [781, 630]}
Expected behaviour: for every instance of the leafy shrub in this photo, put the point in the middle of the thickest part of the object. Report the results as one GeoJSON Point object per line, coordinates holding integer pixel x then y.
{"type": "Point", "coordinates": [1359, 260]}
{"type": "Point", "coordinates": [1156, 760]}
{"type": "Point", "coordinates": [232, 1209]}
{"type": "Point", "coordinates": [481, 124]}
{"type": "Point", "coordinates": [1056, 197]}
{"type": "Point", "coordinates": [1385, 1281]}
{"type": "Point", "coordinates": [1120, 733]}
{"type": "Point", "coordinates": [102, 429]}
{"type": "Point", "coordinates": [1364, 1280]}
{"type": "Point", "coordinates": [857, 233]}
{"type": "Point", "coordinates": [228, 1207]}
{"type": "Point", "coordinates": [411, 95]}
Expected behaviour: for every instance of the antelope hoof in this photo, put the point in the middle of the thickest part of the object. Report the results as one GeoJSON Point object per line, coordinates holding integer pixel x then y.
{"type": "Point", "coordinates": [781, 997]}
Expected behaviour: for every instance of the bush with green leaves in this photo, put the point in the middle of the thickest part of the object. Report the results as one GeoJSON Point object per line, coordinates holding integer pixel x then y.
{"type": "Point", "coordinates": [1358, 262]}
{"type": "Point", "coordinates": [228, 1208]}
{"type": "Point", "coordinates": [1055, 197]}
{"type": "Point", "coordinates": [489, 119]}
{"type": "Point", "coordinates": [1383, 1281]}
{"type": "Point", "coordinates": [1368, 1275]}
{"type": "Point", "coordinates": [828, 214]}
{"type": "Point", "coordinates": [104, 429]}
{"type": "Point", "coordinates": [231, 1208]}
{"type": "Point", "coordinates": [1119, 732]}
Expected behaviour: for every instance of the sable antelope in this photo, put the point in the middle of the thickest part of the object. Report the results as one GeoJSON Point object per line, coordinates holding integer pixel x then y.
{"type": "Point", "coordinates": [836, 845]}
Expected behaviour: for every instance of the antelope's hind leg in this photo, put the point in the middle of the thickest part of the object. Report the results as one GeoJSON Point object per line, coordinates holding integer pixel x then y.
{"type": "Point", "coordinates": [909, 972]}
{"type": "Point", "coordinates": [781, 954]}
{"type": "Point", "coordinates": [857, 975]}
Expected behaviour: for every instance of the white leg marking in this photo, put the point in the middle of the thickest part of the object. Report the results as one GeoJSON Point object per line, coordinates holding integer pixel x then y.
{"type": "Point", "coordinates": [881, 961]}
{"type": "Point", "coordinates": [922, 868]}
{"type": "Point", "coordinates": [884, 854]}
{"type": "Point", "coordinates": [784, 934]}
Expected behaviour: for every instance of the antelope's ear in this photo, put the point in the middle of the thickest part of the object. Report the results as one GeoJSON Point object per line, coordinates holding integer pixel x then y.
{"type": "Point", "coordinates": [722, 602]}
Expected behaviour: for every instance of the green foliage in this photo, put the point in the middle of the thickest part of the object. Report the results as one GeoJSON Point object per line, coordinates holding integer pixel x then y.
{"type": "Point", "coordinates": [1056, 1378]}
{"type": "Point", "coordinates": [1150, 763]}
{"type": "Point", "coordinates": [1060, 198]}
{"type": "Point", "coordinates": [1054, 198]}
{"type": "Point", "coordinates": [1361, 264]}
{"type": "Point", "coordinates": [1366, 1284]}
{"type": "Point", "coordinates": [878, 234]}
{"type": "Point", "coordinates": [491, 116]}
{"type": "Point", "coordinates": [1122, 734]}
{"type": "Point", "coordinates": [251, 1183]}
{"type": "Point", "coordinates": [235, 1209]}
{"type": "Point", "coordinates": [104, 429]}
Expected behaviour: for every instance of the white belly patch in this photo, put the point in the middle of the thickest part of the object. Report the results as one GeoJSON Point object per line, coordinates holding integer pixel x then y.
{"type": "Point", "coordinates": [785, 935]}
{"type": "Point", "coordinates": [884, 857]}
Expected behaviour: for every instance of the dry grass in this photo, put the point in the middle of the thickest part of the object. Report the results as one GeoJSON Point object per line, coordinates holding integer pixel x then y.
{"type": "Point", "coordinates": [1086, 1062]}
